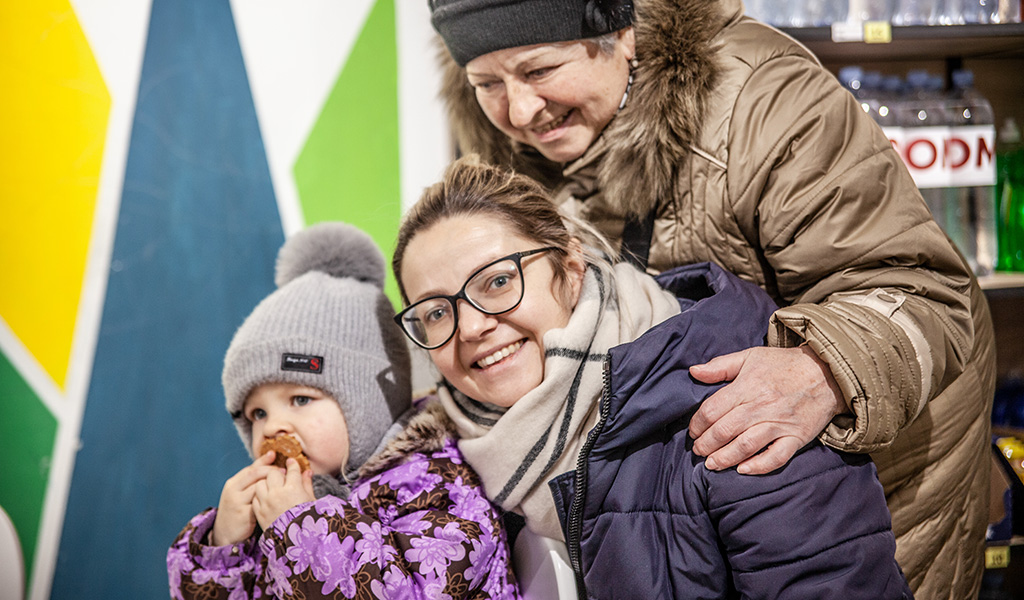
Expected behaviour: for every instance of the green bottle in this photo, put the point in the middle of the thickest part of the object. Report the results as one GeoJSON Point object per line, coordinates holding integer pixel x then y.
{"type": "Point", "coordinates": [1010, 197]}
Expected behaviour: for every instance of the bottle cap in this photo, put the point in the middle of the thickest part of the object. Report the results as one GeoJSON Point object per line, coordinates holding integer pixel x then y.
{"type": "Point", "coordinates": [850, 76]}
{"type": "Point", "coordinates": [963, 78]}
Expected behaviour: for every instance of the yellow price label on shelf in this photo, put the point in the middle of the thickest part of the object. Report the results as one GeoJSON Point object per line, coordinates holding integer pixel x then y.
{"type": "Point", "coordinates": [997, 557]}
{"type": "Point", "coordinates": [877, 32]}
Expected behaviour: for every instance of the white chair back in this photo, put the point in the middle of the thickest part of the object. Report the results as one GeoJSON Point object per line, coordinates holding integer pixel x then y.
{"type": "Point", "coordinates": [542, 568]}
{"type": "Point", "coordinates": [12, 563]}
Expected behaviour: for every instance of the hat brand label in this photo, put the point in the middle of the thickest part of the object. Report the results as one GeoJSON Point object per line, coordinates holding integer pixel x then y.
{"type": "Point", "coordinates": [302, 362]}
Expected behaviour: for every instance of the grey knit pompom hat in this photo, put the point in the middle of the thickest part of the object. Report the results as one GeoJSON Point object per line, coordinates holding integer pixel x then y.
{"type": "Point", "coordinates": [472, 28]}
{"type": "Point", "coordinates": [328, 326]}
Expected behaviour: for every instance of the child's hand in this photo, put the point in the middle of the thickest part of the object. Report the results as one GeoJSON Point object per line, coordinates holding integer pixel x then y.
{"type": "Point", "coordinates": [235, 519]}
{"type": "Point", "coordinates": [281, 491]}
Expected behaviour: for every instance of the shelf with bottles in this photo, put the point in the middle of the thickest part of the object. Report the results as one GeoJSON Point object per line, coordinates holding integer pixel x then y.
{"type": "Point", "coordinates": [1002, 282]}
{"type": "Point", "coordinates": [919, 42]}
{"type": "Point", "coordinates": [972, 182]}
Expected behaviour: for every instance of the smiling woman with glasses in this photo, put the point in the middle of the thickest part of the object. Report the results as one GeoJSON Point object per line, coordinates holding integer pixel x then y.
{"type": "Point", "coordinates": [572, 398]}
{"type": "Point", "coordinates": [495, 288]}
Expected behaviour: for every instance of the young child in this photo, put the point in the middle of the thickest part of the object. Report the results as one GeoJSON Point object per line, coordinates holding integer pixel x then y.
{"type": "Point", "coordinates": [322, 360]}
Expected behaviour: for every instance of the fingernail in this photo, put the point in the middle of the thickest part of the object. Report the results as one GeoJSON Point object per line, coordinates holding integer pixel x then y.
{"type": "Point", "coordinates": [711, 464]}
{"type": "Point", "coordinates": [743, 470]}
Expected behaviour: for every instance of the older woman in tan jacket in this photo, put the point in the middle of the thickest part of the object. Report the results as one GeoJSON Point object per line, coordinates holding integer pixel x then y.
{"type": "Point", "coordinates": [688, 132]}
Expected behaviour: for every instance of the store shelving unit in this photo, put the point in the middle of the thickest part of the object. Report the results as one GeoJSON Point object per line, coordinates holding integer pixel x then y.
{"type": "Point", "coordinates": [1003, 282]}
{"type": "Point", "coordinates": [994, 52]}
{"type": "Point", "coordinates": [956, 42]}
{"type": "Point", "coordinates": [996, 55]}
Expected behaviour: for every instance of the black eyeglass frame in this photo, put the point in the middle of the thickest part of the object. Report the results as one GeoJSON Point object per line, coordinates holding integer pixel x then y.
{"type": "Point", "coordinates": [453, 300]}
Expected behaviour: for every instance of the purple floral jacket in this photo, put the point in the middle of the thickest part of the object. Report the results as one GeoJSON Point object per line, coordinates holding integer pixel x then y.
{"type": "Point", "coordinates": [421, 528]}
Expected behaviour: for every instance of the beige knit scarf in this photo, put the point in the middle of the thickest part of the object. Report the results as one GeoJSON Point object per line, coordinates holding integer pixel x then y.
{"type": "Point", "coordinates": [518, 450]}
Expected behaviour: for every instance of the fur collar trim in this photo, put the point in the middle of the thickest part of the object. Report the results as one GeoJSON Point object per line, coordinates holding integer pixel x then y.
{"type": "Point", "coordinates": [650, 136]}
{"type": "Point", "coordinates": [427, 432]}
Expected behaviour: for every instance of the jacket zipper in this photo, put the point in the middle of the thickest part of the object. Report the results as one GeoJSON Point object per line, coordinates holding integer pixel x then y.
{"type": "Point", "coordinates": [576, 510]}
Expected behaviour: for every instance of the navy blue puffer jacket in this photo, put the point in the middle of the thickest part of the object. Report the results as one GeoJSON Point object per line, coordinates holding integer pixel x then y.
{"type": "Point", "coordinates": [653, 522]}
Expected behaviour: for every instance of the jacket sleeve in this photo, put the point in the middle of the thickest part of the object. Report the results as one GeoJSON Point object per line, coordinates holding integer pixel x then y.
{"type": "Point", "coordinates": [871, 281]}
{"type": "Point", "coordinates": [196, 570]}
{"type": "Point", "coordinates": [421, 529]}
{"type": "Point", "coordinates": [819, 528]}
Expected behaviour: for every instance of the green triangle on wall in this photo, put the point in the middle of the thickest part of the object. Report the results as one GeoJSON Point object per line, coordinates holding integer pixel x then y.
{"type": "Point", "coordinates": [349, 168]}
{"type": "Point", "coordinates": [29, 432]}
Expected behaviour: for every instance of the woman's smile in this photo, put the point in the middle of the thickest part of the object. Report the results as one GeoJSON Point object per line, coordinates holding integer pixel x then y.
{"type": "Point", "coordinates": [553, 124]}
{"type": "Point", "coordinates": [492, 359]}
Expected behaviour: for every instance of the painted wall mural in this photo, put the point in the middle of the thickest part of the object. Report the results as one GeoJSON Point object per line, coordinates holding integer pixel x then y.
{"type": "Point", "coordinates": [157, 153]}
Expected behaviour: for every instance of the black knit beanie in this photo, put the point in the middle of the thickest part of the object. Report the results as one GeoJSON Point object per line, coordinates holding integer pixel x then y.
{"type": "Point", "coordinates": [472, 28]}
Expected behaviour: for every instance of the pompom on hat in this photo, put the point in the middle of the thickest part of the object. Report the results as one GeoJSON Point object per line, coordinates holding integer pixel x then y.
{"type": "Point", "coordinates": [472, 28]}
{"type": "Point", "coordinates": [328, 326]}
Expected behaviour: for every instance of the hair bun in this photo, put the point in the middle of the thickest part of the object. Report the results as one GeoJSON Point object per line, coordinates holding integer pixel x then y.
{"type": "Point", "coordinates": [337, 249]}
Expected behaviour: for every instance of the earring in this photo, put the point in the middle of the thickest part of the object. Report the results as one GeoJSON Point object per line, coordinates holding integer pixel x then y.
{"type": "Point", "coordinates": [633, 64]}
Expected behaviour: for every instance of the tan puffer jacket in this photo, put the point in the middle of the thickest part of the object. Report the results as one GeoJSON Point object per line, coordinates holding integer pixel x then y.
{"type": "Point", "coordinates": [752, 156]}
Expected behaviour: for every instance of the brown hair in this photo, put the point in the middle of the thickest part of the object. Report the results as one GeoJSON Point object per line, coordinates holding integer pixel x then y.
{"type": "Point", "coordinates": [470, 187]}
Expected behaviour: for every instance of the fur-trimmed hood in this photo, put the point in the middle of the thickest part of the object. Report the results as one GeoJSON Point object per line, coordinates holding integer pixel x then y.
{"type": "Point", "coordinates": [426, 433]}
{"type": "Point", "coordinates": [671, 88]}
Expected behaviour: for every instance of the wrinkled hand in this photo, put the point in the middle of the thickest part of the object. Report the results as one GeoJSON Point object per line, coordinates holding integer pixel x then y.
{"type": "Point", "coordinates": [280, 491]}
{"type": "Point", "coordinates": [235, 520]}
{"type": "Point", "coordinates": [779, 399]}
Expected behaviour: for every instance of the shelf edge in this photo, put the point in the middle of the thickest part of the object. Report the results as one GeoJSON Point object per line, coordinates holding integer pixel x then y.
{"type": "Point", "coordinates": [1001, 281]}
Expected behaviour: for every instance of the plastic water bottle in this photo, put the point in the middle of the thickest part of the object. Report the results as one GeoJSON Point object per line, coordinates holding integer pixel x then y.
{"type": "Point", "coordinates": [955, 12]}
{"type": "Point", "coordinates": [972, 11]}
{"type": "Point", "coordinates": [850, 77]}
{"type": "Point", "coordinates": [787, 14]}
{"type": "Point", "coordinates": [916, 12]}
{"type": "Point", "coordinates": [989, 11]}
{"type": "Point", "coordinates": [819, 13]}
{"type": "Point", "coordinates": [1005, 11]}
{"type": "Point", "coordinates": [755, 9]}
{"type": "Point", "coordinates": [871, 86]}
{"type": "Point", "coordinates": [958, 12]}
{"type": "Point", "coordinates": [1010, 195]}
{"type": "Point", "coordinates": [969, 159]}
{"type": "Point", "coordinates": [773, 12]}
{"type": "Point", "coordinates": [866, 87]}
{"type": "Point", "coordinates": [837, 12]}
{"type": "Point", "coordinates": [879, 96]}
{"type": "Point", "coordinates": [795, 14]}
{"type": "Point", "coordinates": [890, 93]}
{"type": "Point", "coordinates": [921, 117]}
{"type": "Point", "coordinates": [870, 10]}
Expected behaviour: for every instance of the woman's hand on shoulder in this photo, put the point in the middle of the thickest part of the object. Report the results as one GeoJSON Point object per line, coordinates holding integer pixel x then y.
{"type": "Point", "coordinates": [779, 399]}
{"type": "Point", "coordinates": [235, 520]}
{"type": "Point", "coordinates": [280, 491]}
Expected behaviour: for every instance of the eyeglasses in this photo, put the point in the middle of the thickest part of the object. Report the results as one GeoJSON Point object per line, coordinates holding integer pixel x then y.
{"type": "Point", "coordinates": [494, 288]}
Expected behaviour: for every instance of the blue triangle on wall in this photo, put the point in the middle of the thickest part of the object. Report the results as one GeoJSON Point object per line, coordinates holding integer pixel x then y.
{"type": "Point", "coordinates": [196, 238]}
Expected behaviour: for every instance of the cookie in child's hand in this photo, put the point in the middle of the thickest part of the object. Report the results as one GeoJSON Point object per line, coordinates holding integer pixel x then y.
{"type": "Point", "coordinates": [285, 446]}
